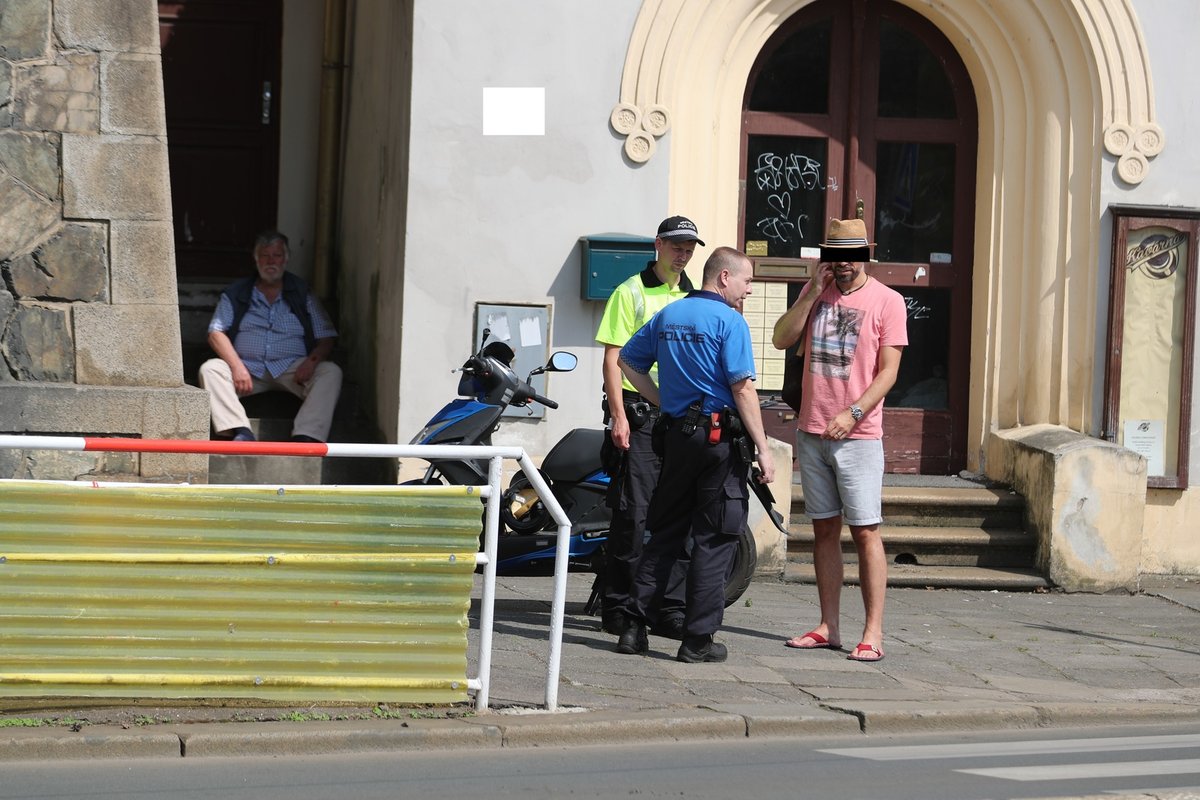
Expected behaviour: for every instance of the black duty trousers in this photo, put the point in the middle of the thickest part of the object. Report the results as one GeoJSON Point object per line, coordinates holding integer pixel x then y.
{"type": "Point", "coordinates": [701, 493]}
{"type": "Point", "coordinates": [626, 534]}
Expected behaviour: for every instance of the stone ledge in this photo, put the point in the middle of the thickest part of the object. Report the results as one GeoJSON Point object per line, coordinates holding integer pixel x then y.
{"type": "Point", "coordinates": [70, 409]}
{"type": "Point", "coordinates": [1085, 500]}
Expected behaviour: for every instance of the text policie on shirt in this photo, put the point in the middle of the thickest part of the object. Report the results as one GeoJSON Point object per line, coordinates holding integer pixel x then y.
{"type": "Point", "coordinates": [681, 333]}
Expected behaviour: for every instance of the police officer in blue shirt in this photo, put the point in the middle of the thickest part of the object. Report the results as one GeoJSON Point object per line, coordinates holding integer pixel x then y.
{"type": "Point", "coordinates": [710, 415]}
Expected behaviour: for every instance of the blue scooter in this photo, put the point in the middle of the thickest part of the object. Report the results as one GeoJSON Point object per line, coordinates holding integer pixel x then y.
{"type": "Point", "coordinates": [572, 469]}
{"type": "Point", "coordinates": [527, 535]}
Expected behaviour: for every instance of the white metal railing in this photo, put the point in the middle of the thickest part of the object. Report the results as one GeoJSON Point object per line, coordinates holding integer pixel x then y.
{"type": "Point", "coordinates": [491, 492]}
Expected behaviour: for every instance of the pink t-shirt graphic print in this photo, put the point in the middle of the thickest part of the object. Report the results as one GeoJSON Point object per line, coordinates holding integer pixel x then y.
{"type": "Point", "coordinates": [835, 331]}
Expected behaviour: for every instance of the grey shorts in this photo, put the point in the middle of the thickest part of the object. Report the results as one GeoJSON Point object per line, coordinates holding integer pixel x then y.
{"type": "Point", "coordinates": [843, 478]}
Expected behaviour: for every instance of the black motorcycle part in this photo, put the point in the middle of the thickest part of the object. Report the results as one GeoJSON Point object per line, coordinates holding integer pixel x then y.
{"type": "Point", "coordinates": [518, 513]}
{"type": "Point", "coordinates": [575, 457]}
{"type": "Point", "coordinates": [741, 572]}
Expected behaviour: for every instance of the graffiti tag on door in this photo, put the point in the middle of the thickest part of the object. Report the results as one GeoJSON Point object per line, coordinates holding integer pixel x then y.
{"type": "Point", "coordinates": [778, 176]}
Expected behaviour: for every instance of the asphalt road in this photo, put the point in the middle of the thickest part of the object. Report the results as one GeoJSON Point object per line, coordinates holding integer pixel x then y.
{"type": "Point", "coordinates": [999, 766]}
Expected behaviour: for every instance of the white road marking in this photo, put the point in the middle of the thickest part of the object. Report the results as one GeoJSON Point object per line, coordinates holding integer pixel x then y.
{"type": "Point", "coordinates": [998, 749]}
{"type": "Point", "coordinates": [1062, 772]}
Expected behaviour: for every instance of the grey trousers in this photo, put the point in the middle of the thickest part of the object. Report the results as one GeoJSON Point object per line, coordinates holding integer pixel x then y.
{"type": "Point", "coordinates": [313, 419]}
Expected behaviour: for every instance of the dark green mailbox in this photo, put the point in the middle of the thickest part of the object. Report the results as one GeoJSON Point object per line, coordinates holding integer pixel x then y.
{"type": "Point", "coordinates": [608, 259]}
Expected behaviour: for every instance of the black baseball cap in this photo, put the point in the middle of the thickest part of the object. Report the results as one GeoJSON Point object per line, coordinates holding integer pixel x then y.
{"type": "Point", "coordinates": [681, 228]}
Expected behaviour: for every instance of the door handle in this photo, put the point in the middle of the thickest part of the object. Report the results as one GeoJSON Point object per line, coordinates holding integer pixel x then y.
{"type": "Point", "coordinates": [266, 103]}
{"type": "Point", "coordinates": [858, 209]}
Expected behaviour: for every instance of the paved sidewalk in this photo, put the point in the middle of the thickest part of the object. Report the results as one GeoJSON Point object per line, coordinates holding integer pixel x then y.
{"type": "Point", "coordinates": [955, 660]}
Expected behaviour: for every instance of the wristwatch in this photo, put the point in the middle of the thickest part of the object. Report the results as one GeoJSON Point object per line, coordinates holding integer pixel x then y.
{"type": "Point", "coordinates": [856, 412]}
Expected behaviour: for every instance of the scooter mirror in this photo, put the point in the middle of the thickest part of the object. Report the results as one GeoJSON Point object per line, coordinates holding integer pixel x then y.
{"type": "Point", "coordinates": [562, 361]}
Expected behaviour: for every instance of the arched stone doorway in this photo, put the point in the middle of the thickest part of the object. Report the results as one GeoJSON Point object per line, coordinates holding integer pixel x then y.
{"type": "Point", "coordinates": [1063, 91]}
{"type": "Point", "coordinates": [864, 109]}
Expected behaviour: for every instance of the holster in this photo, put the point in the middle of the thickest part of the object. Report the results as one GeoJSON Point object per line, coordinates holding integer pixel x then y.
{"type": "Point", "coordinates": [658, 435]}
{"type": "Point", "coordinates": [614, 461]}
{"type": "Point", "coordinates": [735, 433]}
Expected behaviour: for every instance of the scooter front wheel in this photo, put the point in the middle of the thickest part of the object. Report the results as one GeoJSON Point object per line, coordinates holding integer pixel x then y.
{"type": "Point", "coordinates": [741, 571]}
{"type": "Point", "coordinates": [521, 509]}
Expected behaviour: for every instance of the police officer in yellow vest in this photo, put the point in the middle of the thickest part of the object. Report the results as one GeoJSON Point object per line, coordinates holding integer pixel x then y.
{"type": "Point", "coordinates": [630, 418]}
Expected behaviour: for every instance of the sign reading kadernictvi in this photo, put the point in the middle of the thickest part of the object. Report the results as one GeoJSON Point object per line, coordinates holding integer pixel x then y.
{"type": "Point", "coordinates": [1148, 374]}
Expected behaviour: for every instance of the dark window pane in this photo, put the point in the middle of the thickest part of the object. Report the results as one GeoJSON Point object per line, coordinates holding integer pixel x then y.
{"type": "Point", "coordinates": [922, 380]}
{"type": "Point", "coordinates": [785, 193]}
{"type": "Point", "coordinates": [912, 82]}
{"type": "Point", "coordinates": [914, 196]}
{"type": "Point", "coordinates": [796, 76]}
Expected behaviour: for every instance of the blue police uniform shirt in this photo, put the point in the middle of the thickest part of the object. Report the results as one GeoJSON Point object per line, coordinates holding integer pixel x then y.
{"type": "Point", "coordinates": [702, 347]}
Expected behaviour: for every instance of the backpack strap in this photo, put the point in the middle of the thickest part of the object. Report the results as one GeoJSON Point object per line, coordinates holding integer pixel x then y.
{"type": "Point", "coordinates": [295, 294]}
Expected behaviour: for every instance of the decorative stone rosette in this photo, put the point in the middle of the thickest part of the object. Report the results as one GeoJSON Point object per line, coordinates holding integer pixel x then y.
{"type": "Point", "coordinates": [1134, 147]}
{"type": "Point", "coordinates": [641, 128]}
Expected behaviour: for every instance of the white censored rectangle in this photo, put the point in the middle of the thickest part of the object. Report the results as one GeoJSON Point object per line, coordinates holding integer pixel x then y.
{"type": "Point", "coordinates": [514, 111]}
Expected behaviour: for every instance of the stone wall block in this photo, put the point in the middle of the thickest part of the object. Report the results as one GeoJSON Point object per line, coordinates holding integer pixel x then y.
{"type": "Point", "coordinates": [6, 117]}
{"type": "Point", "coordinates": [71, 266]}
{"type": "Point", "coordinates": [32, 159]}
{"type": "Point", "coordinates": [128, 345]}
{"type": "Point", "coordinates": [37, 343]}
{"type": "Point", "coordinates": [115, 177]}
{"type": "Point", "coordinates": [132, 97]}
{"type": "Point", "coordinates": [26, 219]}
{"type": "Point", "coordinates": [71, 410]}
{"type": "Point", "coordinates": [63, 96]}
{"type": "Point", "coordinates": [108, 25]}
{"type": "Point", "coordinates": [142, 266]}
{"type": "Point", "coordinates": [24, 29]}
{"type": "Point", "coordinates": [8, 304]}
{"type": "Point", "coordinates": [66, 465]}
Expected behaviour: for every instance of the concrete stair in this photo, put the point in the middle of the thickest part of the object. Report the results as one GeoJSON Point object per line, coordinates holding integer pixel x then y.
{"type": "Point", "coordinates": [271, 416]}
{"type": "Point", "coordinates": [949, 533]}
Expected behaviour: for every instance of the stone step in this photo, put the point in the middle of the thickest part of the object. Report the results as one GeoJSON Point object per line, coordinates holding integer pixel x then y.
{"type": "Point", "coordinates": [271, 415]}
{"type": "Point", "coordinates": [938, 506]}
{"type": "Point", "coordinates": [942, 546]}
{"type": "Point", "coordinates": [300, 470]}
{"type": "Point", "coordinates": [932, 577]}
{"type": "Point", "coordinates": [957, 533]}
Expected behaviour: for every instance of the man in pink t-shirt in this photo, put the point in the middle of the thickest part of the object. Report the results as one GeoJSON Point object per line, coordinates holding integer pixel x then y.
{"type": "Point", "coordinates": [853, 330]}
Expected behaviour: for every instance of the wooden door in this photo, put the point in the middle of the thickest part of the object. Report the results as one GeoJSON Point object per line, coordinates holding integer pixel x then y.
{"type": "Point", "coordinates": [221, 75]}
{"type": "Point", "coordinates": [863, 109]}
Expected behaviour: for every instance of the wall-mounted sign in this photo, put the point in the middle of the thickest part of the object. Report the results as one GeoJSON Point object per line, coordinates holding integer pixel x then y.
{"type": "Point", "coordinates": [1151, 334]}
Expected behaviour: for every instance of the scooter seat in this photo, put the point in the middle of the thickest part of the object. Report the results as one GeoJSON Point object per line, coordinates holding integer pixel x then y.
{"type": "Point", "coordinates": [575, 457]}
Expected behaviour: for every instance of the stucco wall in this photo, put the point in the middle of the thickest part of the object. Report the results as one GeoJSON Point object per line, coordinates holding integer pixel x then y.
{"type": "Point", "coordinates": [1170, 28]}
{"type": "Point", "coordinates": [497, 219]}
{"type": "Point", "coordinates": [299, 107]}
{"type": "Point", "coordinates": [372, 223]}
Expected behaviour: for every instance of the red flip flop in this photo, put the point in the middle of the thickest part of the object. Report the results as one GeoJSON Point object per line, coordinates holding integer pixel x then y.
{"type": "Point", "coordinates": [818, 642]}
{"type": "Point", "coordinates": [865, 652]}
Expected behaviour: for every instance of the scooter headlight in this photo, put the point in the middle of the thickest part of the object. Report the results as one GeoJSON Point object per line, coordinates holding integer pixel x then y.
{"type": "Point", "coordinates": [425, 433]}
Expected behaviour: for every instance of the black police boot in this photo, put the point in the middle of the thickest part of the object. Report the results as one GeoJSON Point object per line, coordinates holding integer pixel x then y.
{"type": "Point", "coordinates": [613, 621]}
{"type": "Point", "coordinates": [633, 639]}
{"type": "Point", "coordinates": [669, 625]}
{"type": "Point", "coordinates": [698, 649]}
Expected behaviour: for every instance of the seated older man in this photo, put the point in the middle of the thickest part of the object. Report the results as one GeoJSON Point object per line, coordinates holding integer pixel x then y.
{"type": "Point", "coordinates": [270, 332]}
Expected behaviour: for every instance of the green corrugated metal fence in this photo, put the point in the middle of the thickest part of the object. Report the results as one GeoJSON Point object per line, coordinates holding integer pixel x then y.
{"type": "Point", "coordinates": [286, 594]}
